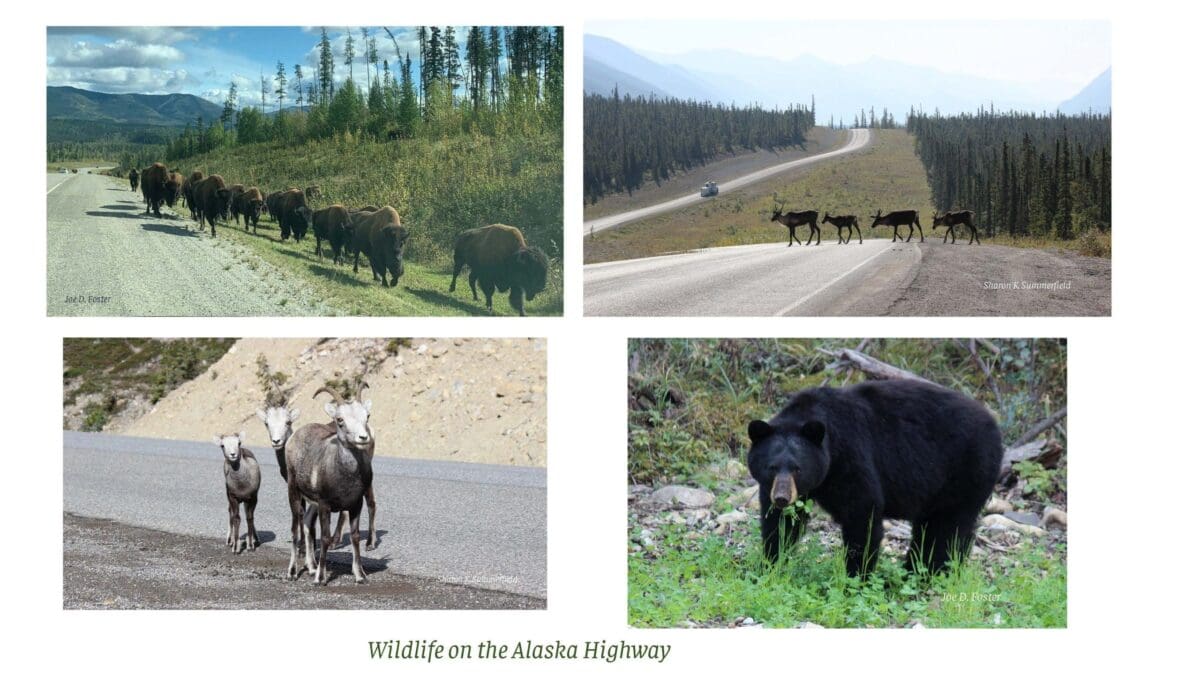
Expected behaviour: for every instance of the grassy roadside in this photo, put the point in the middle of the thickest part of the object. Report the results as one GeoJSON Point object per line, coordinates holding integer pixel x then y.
{"type": "Point", "coordinates": [439, 186]}
{"type": "Point", "coordinates": [887, 175]}
{"type": "Point", "coordinates": [422, 291]}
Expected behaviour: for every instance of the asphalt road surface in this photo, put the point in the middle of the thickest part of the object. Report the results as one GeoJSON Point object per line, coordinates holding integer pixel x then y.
{"type": "Point", "coordinates": [859, 139]}
{"type": "Point", "coordinates": [105, 257]}
{"type": "Point", "coordinates": [755, 280]}
{"type": "Point", "coordinates": [876, 278]}
{"type": "Point", "coordinates": [135, 504]}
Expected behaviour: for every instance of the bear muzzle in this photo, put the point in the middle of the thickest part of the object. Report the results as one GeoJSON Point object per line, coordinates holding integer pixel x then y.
{"type": "Point", "coordinates": [783, 491]}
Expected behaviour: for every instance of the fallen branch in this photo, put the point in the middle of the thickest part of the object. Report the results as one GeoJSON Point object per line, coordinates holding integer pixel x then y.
{"type": "Point", "coordinates": [873, 368]}
{"type": "Point", "coordinates": [1037, 429]}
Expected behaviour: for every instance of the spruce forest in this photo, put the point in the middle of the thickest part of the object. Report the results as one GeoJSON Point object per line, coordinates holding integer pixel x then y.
{"type": "Point", "coordinates": [1046, 176]}
{"type": "Point", "coordinates": [628, 141]}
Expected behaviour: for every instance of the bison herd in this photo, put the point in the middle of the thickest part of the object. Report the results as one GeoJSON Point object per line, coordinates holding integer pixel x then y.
{"type": "Point", "coordinates": [497, 255]}
{"type": "Point", "coordinates": [895, 220]}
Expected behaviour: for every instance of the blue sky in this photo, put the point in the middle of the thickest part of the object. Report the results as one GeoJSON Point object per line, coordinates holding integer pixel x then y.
{"type": "Point", "coordinates": [1068, 53]}
{"type": "Point", "coordinates": [202, 61]}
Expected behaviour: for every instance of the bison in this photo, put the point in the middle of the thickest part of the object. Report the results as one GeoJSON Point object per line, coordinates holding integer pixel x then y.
{"type": "Point", "coordinates": [213, 199]}
{"type": "Point", "coordinates": [174, 188]}
{"type": "Point", "coordinates": [500, 259]}
{"type": "Point", "coordinates": [312, 192]}
{"type": "Point", "coordinates": [381, 237]}
{"type": "Point", "coordinates": [293, 214]}
{"type": "Point", "coordinates": [154, 187]}
{"type": "Point", "coordinates": [133, 179]}
{"type": "Point", "coordinates": [235, 191]}
{"type": "Point", "coordinates": [248, 204]}
{"type": "Point", "coordinates": [272, 204]}
{"type": "Point", "coordinates": [332, 224]}
{"type": "Point", "coordinates": [189, 185]}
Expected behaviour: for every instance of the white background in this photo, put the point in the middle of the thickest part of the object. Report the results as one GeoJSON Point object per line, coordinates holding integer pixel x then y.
{"type": "Point", "coordinates": [1132, 599]}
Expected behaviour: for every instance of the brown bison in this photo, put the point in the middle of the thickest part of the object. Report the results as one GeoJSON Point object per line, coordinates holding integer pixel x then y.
{"type": "Point", "coordinates": [133, 179]}
{"type": "Point", "coordinates": [213, 199]}
{"type": "Point", "coordinates": [154, 187]}
{"type": "Point", "coordinates": [381, 237]}
{"type": "Point", "coordinates": [189, 185]}
{"type": "Point", "coordinates": [248, 204]}
{"type": "Point", "coordinates": [500, 260]}
{"type": "Point", "coordinates": [272, 204]}
{"type": "Point", "coordinates": [235, 191]}
{"type": "Point", "coordinates": [293, 214]}
{"type": "Point", "coordinates": [174, 188]}
{"type": "Point", "coordinates": [312, 192]}
{"type": "Point", "coordinates": [332, 224]}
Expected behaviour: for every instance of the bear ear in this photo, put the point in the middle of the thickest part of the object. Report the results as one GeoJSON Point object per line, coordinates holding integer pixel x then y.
{"type": "Point", "coordinates": [814, 431]}
{"type": "Point", "coordinates": [759, 430]}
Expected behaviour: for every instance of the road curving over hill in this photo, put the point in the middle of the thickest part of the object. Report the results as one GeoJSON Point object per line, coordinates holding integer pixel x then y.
{"type": "Point", "coordinates": [858, 140]}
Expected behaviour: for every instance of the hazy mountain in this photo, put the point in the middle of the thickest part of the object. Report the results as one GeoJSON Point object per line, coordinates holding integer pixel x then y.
{"type": "Point", "coordinates": [599, 77]}
{"type": "Point", "coordinates": [613, 63]}
{"type": "Point", "coordinates": [1096, 96]}
{"type": "Point", "coordinates": [729, 76]}
{"type": "Point", "coordinates": [69, 103]}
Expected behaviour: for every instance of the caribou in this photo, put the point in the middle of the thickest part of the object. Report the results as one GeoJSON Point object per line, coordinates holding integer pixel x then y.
{"type": "Point", "coordinates": [952, 218]}
{"type": "Point", "coordinates": [847, 222]}
{"type": "Point", "coordinates": [794, 219]}
{"type": "Point", "coordinates": [897, 218]}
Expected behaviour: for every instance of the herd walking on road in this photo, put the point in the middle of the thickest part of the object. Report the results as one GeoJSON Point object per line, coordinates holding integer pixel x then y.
{"type": "Point", "coordinates": [895, 220]}
{"type": "Point", "coordinates": [498, 256]}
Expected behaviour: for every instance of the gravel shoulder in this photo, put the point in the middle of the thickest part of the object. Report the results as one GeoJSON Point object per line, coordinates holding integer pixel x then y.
{"type": "Point", "coordinates": [989, 280]}
{"type": "Point", "coordinates": [108, 565]}
{"type": "Point", "coordinates": [105, 257]}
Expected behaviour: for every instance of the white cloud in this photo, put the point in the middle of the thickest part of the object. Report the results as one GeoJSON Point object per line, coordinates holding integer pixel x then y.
{"type": "Point", "coordinates": [121, 53]}
{"type": "Point", "coordinates": [121, 80]}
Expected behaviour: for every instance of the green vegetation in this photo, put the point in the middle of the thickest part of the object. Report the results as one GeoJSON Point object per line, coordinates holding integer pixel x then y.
{"type": "Point", "coordinates": [887, 175]}
{"type": "Point", "coordinates": [689, 402]}
{"type": "Point", "coordinates": [715, 580]}
{"type": "Point", "coordinates": [1024, 175]}
{"type": "Point", "coordinates": [123, 369]}
{"type": "Point", "coordinates": [474, 138]}
{"type": "Point", "coordinates": [629, 141]}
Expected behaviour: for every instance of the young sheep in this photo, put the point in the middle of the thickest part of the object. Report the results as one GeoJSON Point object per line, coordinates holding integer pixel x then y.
{"type": "Point", "coordinates": [279, 420]}
{"type": "Point", "coordinates": [329, 465]}
{"type": "Point", "coordinates": [242, 479]}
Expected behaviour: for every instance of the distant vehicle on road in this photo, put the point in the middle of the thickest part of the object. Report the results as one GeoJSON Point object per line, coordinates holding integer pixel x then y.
{"type": "Point", "coordinates": [62, 169]}
{"type": "Point", "coordinates": [709, 189]}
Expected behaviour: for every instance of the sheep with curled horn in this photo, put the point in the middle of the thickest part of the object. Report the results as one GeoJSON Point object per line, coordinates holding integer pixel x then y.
{"type": "Point", "coordinates": [279, 417]}
{"type": "Point", "coordinates": [329, 466]}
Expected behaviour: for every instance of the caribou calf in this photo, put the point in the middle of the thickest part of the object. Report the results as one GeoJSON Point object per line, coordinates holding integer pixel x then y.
{"type": "Point", "coordinates": [897, 218]}
{"type": "Point", "coordinates": [952, 218]}
{"type": "Point", "coordinates": [242, 479]}
{"type": "Point", "coordinates": [794, 219]}
{"type": "Point", "coordinates": [847, 222]}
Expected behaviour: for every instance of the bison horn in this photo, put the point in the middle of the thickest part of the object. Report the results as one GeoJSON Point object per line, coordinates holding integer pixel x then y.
{"type": "Point", "coordinates": [337, 398]}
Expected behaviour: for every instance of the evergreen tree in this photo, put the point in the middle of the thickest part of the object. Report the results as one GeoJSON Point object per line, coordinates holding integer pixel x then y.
{"type": "Point", "coordinates": [325, 69]}
{"type": "Point", "coordinates": [298, 78]}
{"type": "Point", "coordinates": [230, 108]}
{"type": "Point", "coordinates": [348, 52]}
{"type": "Point", "coordinates": [281, 89]}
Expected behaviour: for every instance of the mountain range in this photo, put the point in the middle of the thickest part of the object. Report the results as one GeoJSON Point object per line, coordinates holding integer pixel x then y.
{"type": "Point", "coordinates": [840, 91]}
{"type": "Point", "coordinates": [169, 110]}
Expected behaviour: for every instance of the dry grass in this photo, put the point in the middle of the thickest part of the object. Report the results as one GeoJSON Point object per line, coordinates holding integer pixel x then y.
{"type": "Point", "coordinates": [888, 176]}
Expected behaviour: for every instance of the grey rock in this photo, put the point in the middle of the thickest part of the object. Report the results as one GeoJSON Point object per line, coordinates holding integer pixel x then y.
{"type": "Point", "coordinates": [683, 496]}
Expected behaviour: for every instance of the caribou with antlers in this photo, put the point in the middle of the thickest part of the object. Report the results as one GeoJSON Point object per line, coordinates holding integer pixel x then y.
{"type": "Point", "coordinates": [794, 219]}
{"type": "Point", "coordinates": [897, 218]}
{"type": "Point", "coordinates": [952, 218]}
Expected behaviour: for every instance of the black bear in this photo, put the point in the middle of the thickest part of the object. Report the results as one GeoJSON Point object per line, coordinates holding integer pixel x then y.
{"type": "Point", "coordinates": [889, 449]}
